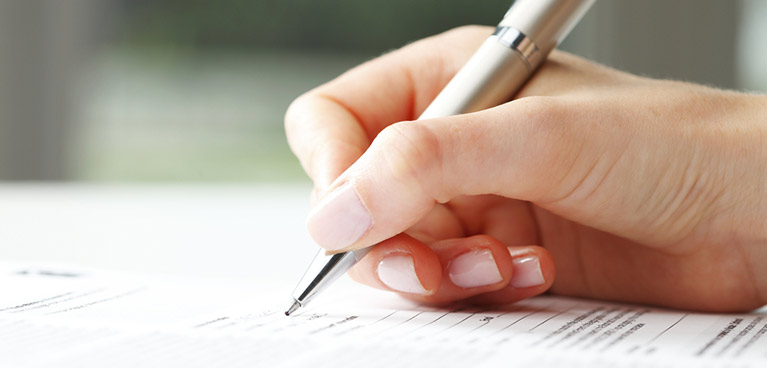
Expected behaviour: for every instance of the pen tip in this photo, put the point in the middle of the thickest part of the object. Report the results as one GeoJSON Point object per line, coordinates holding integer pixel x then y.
{"type": "Point", "coordinates": [293, 307]}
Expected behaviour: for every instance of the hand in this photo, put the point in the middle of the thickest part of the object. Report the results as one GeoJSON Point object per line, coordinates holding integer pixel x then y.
{"type": "Point", "coordinates": [639, 190]}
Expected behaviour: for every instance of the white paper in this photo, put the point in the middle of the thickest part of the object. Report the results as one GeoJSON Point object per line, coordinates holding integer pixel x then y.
{"type": "Point", "coordinates": [73, 318]}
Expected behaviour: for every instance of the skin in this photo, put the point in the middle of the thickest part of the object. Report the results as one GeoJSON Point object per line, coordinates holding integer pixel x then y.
{"type": "Point", "coordinates": [633, 189]}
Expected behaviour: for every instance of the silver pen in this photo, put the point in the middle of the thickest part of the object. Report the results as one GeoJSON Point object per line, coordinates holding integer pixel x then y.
{"type": "Point", "coordinates": [497, 70]}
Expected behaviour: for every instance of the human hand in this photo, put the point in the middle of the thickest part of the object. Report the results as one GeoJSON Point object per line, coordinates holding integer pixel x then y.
{"type": "Point", "coordinates": [638, 190]}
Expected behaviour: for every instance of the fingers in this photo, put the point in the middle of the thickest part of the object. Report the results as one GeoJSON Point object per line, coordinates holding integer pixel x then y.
{"type": "Point", "coordinates": [401, 263]}
{"type": "Point", "coordinates": [331, 126]}
{"type": "Point", "coordinates": [478, 267]}
{"type": "Point", "coordinates": [325, 137]}
{"type": "Point", "coordinates": [510, 221]}
{"type": "Point", "coordinates": [534, 273]}
{"type": "Point", "coordinates": [519, 150]}
{"type": "Point", "coordinates": [440, 223]}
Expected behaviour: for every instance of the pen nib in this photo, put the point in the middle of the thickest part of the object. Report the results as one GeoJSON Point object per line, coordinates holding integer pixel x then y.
{"type": "Point", "coordinates": [293, 307]}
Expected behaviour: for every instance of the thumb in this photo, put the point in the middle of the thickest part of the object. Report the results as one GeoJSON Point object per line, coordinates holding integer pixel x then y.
{"type": "Point", "coordinates": [410, 166]}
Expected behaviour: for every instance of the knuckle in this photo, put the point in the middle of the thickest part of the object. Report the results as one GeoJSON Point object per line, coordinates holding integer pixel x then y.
{"type": "Point", "coordinates": [293, 114]}
{"type": "Point", "coordinates": [463, 35]}
{"type": "Point", "coordinates": [470, 29]}
{"type": "Point", "coordinates": [294, 126]}
{"type": "Point", "coordinates": [470, 35]}
{"type": "Point", "coordinates": [411, 151]}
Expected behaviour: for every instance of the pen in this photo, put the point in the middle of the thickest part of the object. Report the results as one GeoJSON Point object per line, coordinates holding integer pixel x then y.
{"type": "Point", "coordinates": [494, 73]}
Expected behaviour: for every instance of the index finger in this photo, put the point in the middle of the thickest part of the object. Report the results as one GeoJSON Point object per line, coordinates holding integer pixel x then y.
{"type": "Point", "coordinates": [329, 127]}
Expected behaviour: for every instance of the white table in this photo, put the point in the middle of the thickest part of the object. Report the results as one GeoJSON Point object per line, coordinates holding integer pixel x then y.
{"type": "Point", "coordinates": [227, 231]}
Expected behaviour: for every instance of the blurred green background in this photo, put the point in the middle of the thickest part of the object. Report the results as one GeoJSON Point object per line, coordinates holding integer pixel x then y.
{"type": "Point", "coordinates": [170, 90]}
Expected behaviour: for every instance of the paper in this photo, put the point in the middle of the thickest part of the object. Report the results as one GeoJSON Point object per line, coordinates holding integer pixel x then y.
{"type": "Point", "coordinates": [69, 318]}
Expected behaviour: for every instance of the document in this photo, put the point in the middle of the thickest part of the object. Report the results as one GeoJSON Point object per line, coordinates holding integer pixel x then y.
{"type": "Point", "coordinates": [62, 317]}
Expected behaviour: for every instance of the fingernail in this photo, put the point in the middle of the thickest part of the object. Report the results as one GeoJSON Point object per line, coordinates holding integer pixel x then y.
{"type": "Point", "coordinates": [474, 269]}
{"type": "Point", "coordinates": [527, 272]}
{"type": "Point", "coordinates": [398, 273]}
{"type": "Point", "coordinates": [339, 219]}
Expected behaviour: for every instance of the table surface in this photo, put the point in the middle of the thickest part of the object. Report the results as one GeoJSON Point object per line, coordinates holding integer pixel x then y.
{"type": "Point", "coordinates": [220, 231]}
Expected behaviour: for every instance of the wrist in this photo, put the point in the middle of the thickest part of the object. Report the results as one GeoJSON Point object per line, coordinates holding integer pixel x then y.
{"type": "Point", "coordinates": [741, 221]}
{"type": "Point", "coordinates": [760, 226]}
